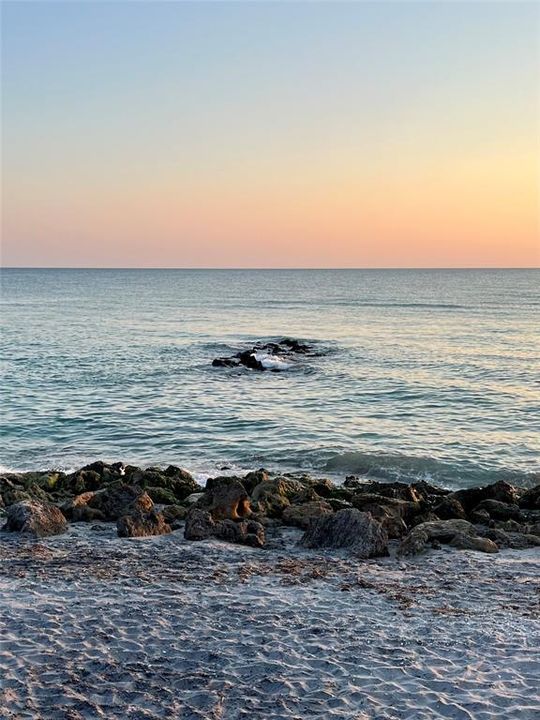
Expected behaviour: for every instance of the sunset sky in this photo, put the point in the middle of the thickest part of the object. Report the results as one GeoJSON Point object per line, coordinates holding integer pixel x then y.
{"type": "Point", "coordinates": [149, 134]}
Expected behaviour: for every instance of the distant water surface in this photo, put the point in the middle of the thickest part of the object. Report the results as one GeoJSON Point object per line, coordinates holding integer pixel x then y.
{"type": "Point", "coordinates": [420, 374]}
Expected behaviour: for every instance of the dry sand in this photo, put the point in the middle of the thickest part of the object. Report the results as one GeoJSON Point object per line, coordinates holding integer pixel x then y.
{"type": "Point", "coordinates": [93, 626]}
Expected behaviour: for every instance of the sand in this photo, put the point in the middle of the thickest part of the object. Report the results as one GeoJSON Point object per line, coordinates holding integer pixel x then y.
{"type": "Point", "coordinates": [93, 626]}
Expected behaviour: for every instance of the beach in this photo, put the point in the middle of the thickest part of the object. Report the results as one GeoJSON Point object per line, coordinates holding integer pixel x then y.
{"type": "Point", "coordinates": [265, 596]}
{"type": "Point", "coordinates": [95, 626]}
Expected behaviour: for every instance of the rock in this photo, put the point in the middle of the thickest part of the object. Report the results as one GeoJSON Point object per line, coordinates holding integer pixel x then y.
{"type": "Point", "coordinates": [369, 502]}
{"type": "Point", "coordinates": [302, 515]}
{"type": "Point", "coordinates": [83, 481]}
{"type": "Point", "coordinates": [479, 517]}
{"type": "Point", "coordinates": [499, 510]}
{"type": "Point", "coordinates": [174, 512]}
{"type": "Point", "coordinates": [337, 504]}
{"type": "Point", "coordinates": [161, 495]}
{"type": "Point", "coordinates": [352, 529]}
{"type": "Point", "coordinates": [246, 532]}
{"type": "Point", "coordinates": [119, 499]}
{"type": "Point", "coordinates": [193, 498]}
{"type": "Point", "coordinates": [174, 515]}
{"type": "Point", "coordinates": [141, 524]}
{"type": "Point", "coordinates": [530, 499]}
{"type": "Point", "coordinates": [284, 349]}
{"type": "Point", "coordinates": [226, 362]}
{"type": "Point", "coordinates": [470, 498]}
{"type": "Point", "coordinates": [448, 508]}
{"type": "Point", "coordinates": [271, 497]}
{"type": "Point", "coordinates": [199, 525]}
{"type": "Point", "coordinates": [463, 541]}
{"type": "Point", "coordinates": [252, 479]}
{"type": "Point", "coordinates": [396, 490]}
{"type": "Point", "coordinates": [441, 531]}
{"type": "Point", "coordinates": [35, 518]}
{"type": "Point", "coordinates": [513, 540]}
{"type": "Point", "coordinates": [226, 499]}
{"type": "Point", "coordinates": [177, 481]}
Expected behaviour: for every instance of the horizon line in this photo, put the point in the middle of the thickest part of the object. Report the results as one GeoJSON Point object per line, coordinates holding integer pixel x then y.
{"type": "Point", "coordinates": [260, 269]}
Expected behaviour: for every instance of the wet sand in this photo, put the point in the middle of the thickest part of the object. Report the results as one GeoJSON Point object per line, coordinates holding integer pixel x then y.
{"type": "Point", "coordinates": [94, 626]}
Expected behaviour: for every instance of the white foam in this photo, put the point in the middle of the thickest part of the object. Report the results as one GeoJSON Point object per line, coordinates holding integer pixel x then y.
{"type": "Point", "coordinates": [272, 362]}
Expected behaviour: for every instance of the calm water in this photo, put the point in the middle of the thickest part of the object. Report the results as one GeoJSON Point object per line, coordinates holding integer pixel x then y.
{"type": "Point", "coordinates": [421, 373]}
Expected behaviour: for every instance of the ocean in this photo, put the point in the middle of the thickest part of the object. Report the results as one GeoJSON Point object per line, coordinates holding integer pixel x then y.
{"type": "Point", "coordinates": [416, 374]}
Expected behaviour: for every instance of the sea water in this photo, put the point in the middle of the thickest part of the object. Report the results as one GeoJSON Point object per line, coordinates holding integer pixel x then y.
{"type": "Point", "coordinates": [415, 374]}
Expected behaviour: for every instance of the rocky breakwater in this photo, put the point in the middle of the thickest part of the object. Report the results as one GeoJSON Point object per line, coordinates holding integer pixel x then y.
{"type": "Point", "coordinates": [364, 518]}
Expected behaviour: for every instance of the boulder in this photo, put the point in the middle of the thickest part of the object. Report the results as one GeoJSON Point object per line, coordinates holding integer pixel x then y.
{"type": "Point", "coordinates": [245, 532]}
{"type": "Point", "coordinates": [199, 525]}
{"type": "Point", "coordinates": [396, 490]}
{"type": "Point", "coordinates": [440, 531]}
{"type": "Point", "coordinates": [369, 502]}
{"type": "Point", "coordinates": [180, 483]}
{"type": "Point", "coordinates": [161, 495]}
{"type": "Point", "coordinates": [449, 508]}
{"type": "Point", "coordinates": [78, 510]}
{"type": "Point", "coordinates": [462, 541]}
{"type": "Point", "coordinates": [174, 515]}
{"type": "Point", "coordinates": [514, 540]}
{"type": "Point", "coordinates": [226, 499]}
{"type": "Point", "coordinates": [254, 478]}
{"type": "Point", "coordinates": [35, 518]}
{"type": "Point", "coordinates": [302, 515]}
{"type": "Point", "coordinates": [530, 499]}
{"type": "Point", "coordinates": [271, 497]}
{"type": "Point", "coordinates": [119, 499]}
{"type": "Point", "coordinates": [352, 529]}
{"type": "Point", "coordinates": [140, 524]}
{"type": "Point", "coordinates": [498, 510]}
{"type": "Point", "coordinates": [472, 497]}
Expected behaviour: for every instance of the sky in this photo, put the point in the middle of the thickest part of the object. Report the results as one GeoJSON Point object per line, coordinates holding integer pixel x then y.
{"type": "Point", "coordinates": [270, 134]}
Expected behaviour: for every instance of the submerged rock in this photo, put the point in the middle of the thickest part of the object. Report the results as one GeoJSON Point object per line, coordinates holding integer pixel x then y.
{"type": "Point", "coordinates": [275, 356]}
{"type": "Point", "coordinates": [35, 518]}
{"type": "Point", "coordinates": [358, 531]}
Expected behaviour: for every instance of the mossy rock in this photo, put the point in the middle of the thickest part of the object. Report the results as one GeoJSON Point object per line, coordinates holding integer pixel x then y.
{"type": "Point", "coordinates": [161, 495]}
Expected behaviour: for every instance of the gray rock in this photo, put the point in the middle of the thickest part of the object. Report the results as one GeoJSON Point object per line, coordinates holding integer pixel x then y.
{"type": "Point", "coordinates": [199, 525]}
{"type": "Point", "coordinates": [349, 528]}
{"type": "Point", "coordinates": [439, 531]}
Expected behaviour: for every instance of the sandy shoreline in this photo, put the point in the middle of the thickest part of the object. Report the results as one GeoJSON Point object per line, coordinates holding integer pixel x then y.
{"type": "Point", "coordinates": [95, 626]}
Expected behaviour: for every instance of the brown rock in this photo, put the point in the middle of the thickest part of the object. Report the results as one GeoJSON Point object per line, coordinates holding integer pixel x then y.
{"type": "Point", "coordinates": [302, 515]}
{"type": "Point", "coordinates": [141, 524]}
{"type": "Point", "coordinates": [35, 518]}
